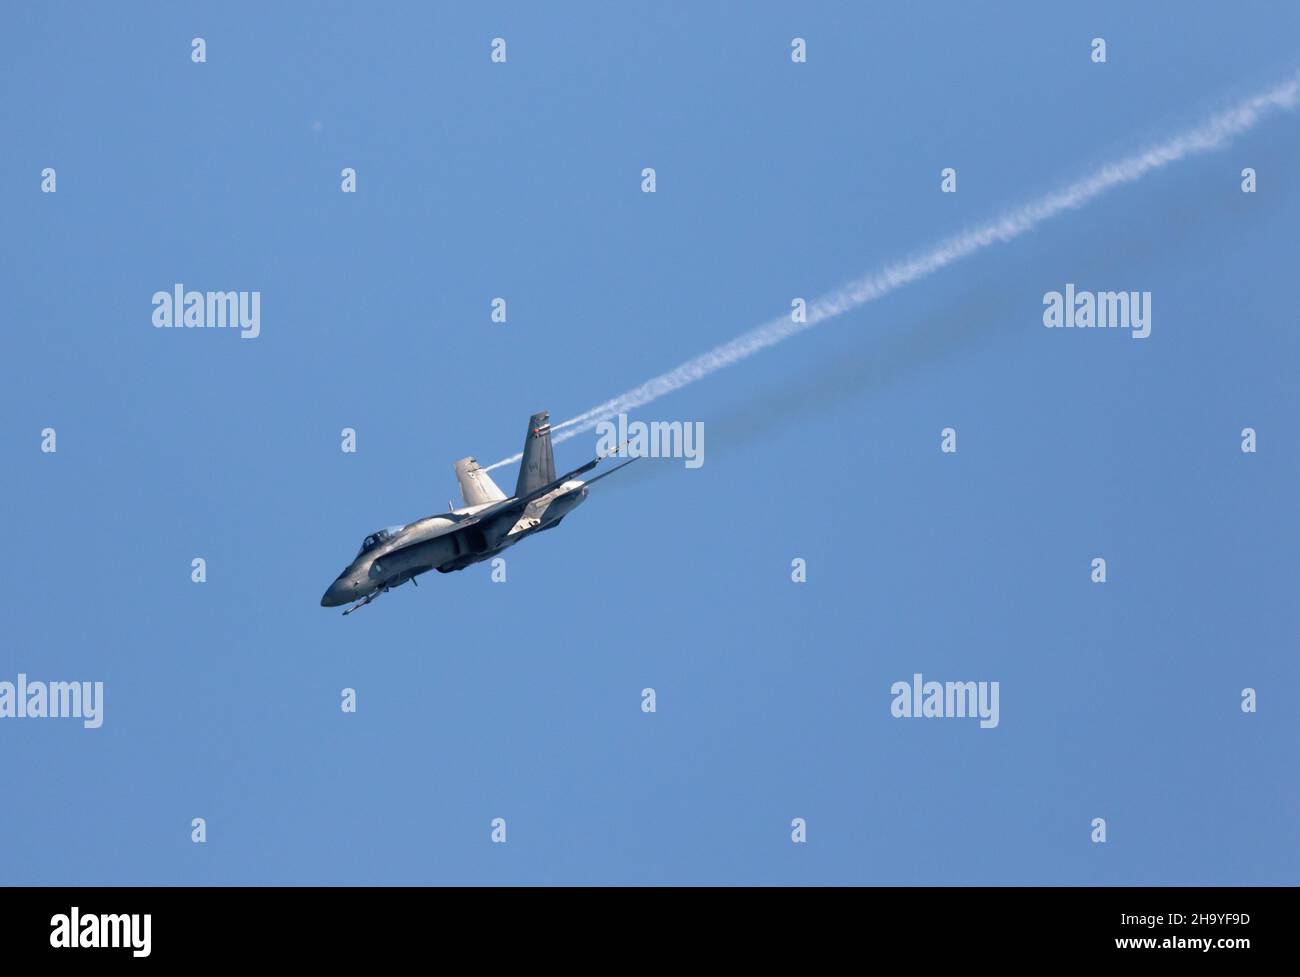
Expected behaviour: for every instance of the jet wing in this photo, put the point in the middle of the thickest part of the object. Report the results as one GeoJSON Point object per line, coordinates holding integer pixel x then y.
{"type": "Point", "coordinates": [593, 481]}
{"type": "Point", "coordinates": [537, 493]}
{"type": "Point", "coordinates": [520, 502]}
{"type": "Point", "coordinates": [514, 505]}
{"type": "Point", "coordinates": [431, 533]}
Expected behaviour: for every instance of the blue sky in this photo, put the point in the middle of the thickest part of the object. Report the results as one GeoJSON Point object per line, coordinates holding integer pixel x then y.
{"type": "Point", "coordinates": [521, 700]}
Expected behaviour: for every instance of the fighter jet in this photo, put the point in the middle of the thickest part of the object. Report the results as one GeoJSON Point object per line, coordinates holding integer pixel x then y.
{"type": "Point", "coordinates": [485, 525]}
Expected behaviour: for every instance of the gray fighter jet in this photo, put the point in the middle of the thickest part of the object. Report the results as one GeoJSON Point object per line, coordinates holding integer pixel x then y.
{"type": "Point", "coordinates": [487, 524]}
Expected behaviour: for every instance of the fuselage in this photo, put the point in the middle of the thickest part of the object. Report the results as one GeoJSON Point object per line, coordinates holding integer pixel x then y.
{"type": "Point", "coordinates": [391, 557]}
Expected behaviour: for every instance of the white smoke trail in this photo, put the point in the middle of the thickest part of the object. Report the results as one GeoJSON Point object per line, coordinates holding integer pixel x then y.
{"type": "Point", "coordinates": [1207, 136]}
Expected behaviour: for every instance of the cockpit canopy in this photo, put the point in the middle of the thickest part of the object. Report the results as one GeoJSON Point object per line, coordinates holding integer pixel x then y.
{"type": "Point", "coordinates": [377, 538]}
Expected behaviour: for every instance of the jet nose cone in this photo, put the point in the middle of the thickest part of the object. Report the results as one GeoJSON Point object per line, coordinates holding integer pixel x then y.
{"type": "Point", "coordinates": [337, 594]}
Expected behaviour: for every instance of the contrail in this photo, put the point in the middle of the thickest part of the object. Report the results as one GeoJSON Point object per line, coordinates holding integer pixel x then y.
{"type": "Point", "coordinates": [1209, 135]}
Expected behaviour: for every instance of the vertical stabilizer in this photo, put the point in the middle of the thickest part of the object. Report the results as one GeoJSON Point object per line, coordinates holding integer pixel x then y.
{"type": "Point", "coordinates": [476, 485]}
{"type": "Point", "coordinates": [537, 467]}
